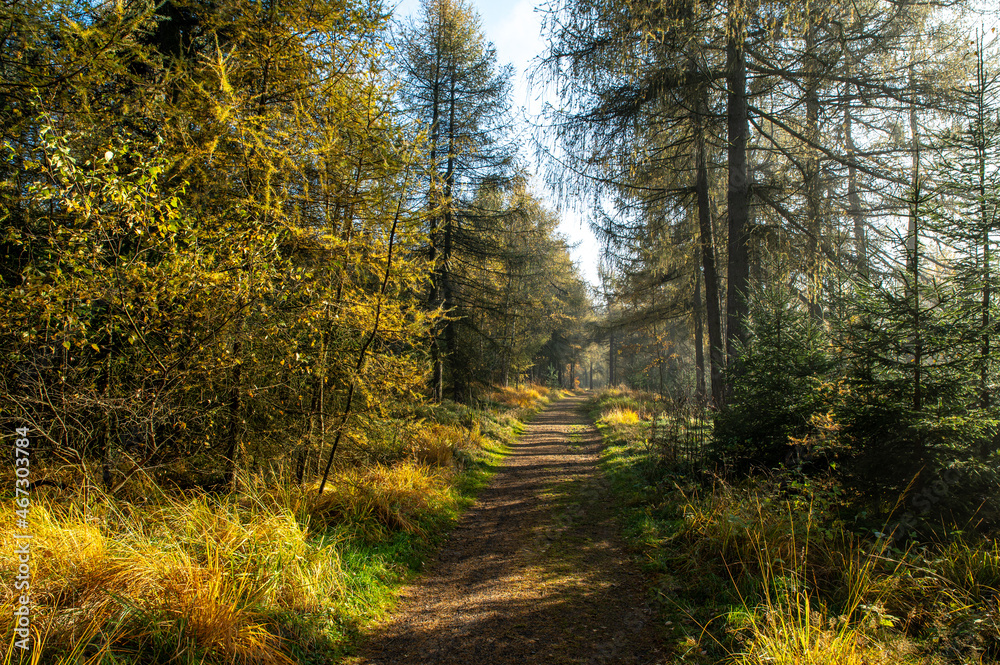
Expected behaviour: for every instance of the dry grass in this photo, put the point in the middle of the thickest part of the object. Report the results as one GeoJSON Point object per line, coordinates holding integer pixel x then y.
{"type": "Point", "coordinates": [521, 397]}
{"type": "Point", "coordinates": [196, 578]}
{"type": "Point", "coordinates": [617, 416]}
{"type": "Point", "coordinates": [774, 570]}
{"type": "Point", "coordinates": [251, 577]}
{"type": "Point", "coordinates": [196, 568]}
{"type": "Point", "coordinates": [380, 497]}
{"type": "Point", "coordinates": [445, 445]}
{"type": "Point", "coordinates": [795, 635]}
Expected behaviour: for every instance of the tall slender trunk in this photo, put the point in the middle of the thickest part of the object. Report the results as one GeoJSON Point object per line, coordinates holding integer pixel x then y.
{"type": "Point", "coordinates": [434, 202]}
{"type": "Point", "coordinates": [812, 176]}
{"type": "Point", "coordinates": [699, 340]}
{"type": "Point", "coordinates": [362, 354]}
{"type": "Point", "coordinates": [612, 357]}
{"type": "Point", "coordinates": [738, 190]}
{"type": "Point", "coordinates": [716, 352]}
{"type": "Point", "coordinates": [913, 249]}
{"type": "Point", "coordinates": [235, 405]}
{"type": "Point", "coordinates": [854, 198]}
{"type": "Point", "coordinates": [984, 223]}
{"type": "Point", "coordinates": [457, 373]}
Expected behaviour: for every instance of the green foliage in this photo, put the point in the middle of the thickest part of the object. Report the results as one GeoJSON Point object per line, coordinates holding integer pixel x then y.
{"type": "Point", "coordinates": [209, 264]}
{"type": "Point", "coordinates": [778, 383]}
{"type": "Point", "coordinates": [525, 300]}
{"type": "Point", "coordinates": [910, 406]}
{"type": "Point", "coordinates": [777, 570]}
{"type": "Point", "coordinates": [499, 268]}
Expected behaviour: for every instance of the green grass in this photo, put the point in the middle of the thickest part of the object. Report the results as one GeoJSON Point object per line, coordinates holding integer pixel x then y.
{"type": "Point", "coordinates": [773, 570]}
{"type": "Point", "coordinates": [272, 573]}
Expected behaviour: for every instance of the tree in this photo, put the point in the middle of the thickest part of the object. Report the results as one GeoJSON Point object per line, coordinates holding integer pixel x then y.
{"type": "Point", "coordinates": [779, 388]}
{"type": "Point", "coordinates": [966, 173]}
{"type": "Point", "coordinates": [452, 87]}
{"type": "Point", "coordinates": [640, 83]}
{"type": "Point", "coordinates": [258, 184]}
{"type": "Point", "coordinates": [518, 291]}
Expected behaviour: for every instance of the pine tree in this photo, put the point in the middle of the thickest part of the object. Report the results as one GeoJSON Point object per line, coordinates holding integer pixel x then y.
{"type": "Point", "coordinates": [452, 86]}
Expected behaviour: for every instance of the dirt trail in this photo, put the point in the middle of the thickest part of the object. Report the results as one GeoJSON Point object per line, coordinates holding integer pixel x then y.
{"type": "Point", "coordinates": [533, 573]}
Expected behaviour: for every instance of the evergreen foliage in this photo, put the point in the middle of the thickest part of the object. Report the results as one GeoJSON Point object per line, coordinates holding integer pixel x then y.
{"type": "Point", "coordinates": [779, 383]}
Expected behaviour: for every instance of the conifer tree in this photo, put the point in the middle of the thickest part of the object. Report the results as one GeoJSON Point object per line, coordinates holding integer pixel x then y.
{"type": "Point", "coordinates": [452, 86]}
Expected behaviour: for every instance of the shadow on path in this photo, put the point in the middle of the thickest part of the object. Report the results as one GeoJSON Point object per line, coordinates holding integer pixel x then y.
{"type": "Point", "coordinates": [533, 573]}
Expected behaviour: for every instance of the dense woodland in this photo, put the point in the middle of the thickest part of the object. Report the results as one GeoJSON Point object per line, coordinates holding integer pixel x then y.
{"type": "Point", "coordinates": [239, 233]}
{"type": "Point", "coordinates": [288, 251]}
{"type": "Point", "coordinates": [799, 204]}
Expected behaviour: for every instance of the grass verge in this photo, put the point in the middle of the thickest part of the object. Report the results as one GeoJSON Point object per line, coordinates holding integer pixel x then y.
{"type": "Point", "coordinates": [776, 570]}
{"type": "Point", "coordinates": [272, 573]}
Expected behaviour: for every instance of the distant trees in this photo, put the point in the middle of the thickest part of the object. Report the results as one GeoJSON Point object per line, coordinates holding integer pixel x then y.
{"type": "Point", "coordinates": [498, 271]}
{"type": "Point", "coordinates": [647, 88]}
{"type": "Point", "coordinates": [215, 221]}
{"type": "Point", "coordinates": [452, 86]}
{"type": "Point", "coordinates": [828, 172]}
{"type": "Point", "coordinates": [521, 297]}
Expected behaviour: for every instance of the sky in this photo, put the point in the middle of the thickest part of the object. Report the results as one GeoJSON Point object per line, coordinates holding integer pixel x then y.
{"type": "Point", "coordinates": [514, 28]}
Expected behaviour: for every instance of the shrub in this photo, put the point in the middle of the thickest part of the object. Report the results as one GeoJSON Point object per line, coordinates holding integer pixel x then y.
{"type": "Point", "coordinates": [777, 385]}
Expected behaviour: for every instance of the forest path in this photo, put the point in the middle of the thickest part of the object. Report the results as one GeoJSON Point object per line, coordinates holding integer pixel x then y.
{"type": "Point", "coordinates": [533, 573]}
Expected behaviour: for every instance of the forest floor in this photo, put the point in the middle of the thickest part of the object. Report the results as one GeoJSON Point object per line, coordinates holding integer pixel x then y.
{"type": "Point", "coordinates": [534, 572]}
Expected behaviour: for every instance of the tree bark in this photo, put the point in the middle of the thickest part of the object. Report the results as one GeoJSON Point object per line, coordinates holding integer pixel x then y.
{"type": "Point", "coordinates": [812, 182]}
{"type": "Point", "coordinates": [706, 233]}
{"type": "Point", "coordinates": [854, 198]}
{"type": "Point", "coordinates": [738, 193]}
{"type": "Point", "coordinates": [612, 353]}
{"type": "Point", "coordinates": [699, 340]}
{"type": "Point", "coordinates": [457, 373]}
{"type": "Point", "coordinates": [434, 296]}
{"type": "Point", "coordinates": [913, 250]}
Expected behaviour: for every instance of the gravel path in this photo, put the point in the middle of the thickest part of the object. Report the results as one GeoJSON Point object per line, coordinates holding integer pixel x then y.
{"type": "Point", "coordinates": [533, 573]}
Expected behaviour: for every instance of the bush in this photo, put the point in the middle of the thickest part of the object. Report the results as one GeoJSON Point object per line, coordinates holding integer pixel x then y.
{"type": "Point", "coordinates": [779, 384]}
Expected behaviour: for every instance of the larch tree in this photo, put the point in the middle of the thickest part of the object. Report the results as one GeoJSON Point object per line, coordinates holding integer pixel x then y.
{"type": "Point", "coordinates": [452, 86]}
{"type": "Point", "coordinates": [215, 264]}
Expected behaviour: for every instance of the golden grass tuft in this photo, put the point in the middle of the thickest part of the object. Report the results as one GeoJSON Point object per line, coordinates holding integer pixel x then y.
{"type": "Point", "coordinates": [797, 635]}
{"type": "Point", "coordinates": [212, 606]}
{"type": "Point", "coordinates": [617, 416]}
{"type": "Point", "coordinates": [437, 445]}
{"type": "Point", "coordinates": [522, 397]}
{"type": "Point", "coordinates": [194, 571]}
{"type": "Point", "coordinates": [395, 497]}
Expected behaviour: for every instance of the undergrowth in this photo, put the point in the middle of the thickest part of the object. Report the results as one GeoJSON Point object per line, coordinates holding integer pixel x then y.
{"type": "Point", "coordinates": [778, 569]}
{"type": "Point", "coordinates": [271, 573]}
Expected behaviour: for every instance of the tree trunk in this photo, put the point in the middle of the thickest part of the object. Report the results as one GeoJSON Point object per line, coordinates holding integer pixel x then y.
{"type": "Point", "coordinates": [854, 198]}
{"type": "Point", "coordinates": [457, 373]}
{"type": "Point", "coordinates": [612, 353]}
{"type": "Point", "coordinates": [712, 302]}
{"type": "Point", "coordinates": [913, 250]}
{"type": "Point", "coordinates": [984, 222]}
{"type": "Point", "coordinates": [235, 409]}
{"type": "Point", "coordinates": [699, 340]}
{"type": "Point", "coordinates": [434, 295]}
{"type": "Point", "coordinates": [812, 177]}
{"type": "Point", "coordinates": [738, 192]}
